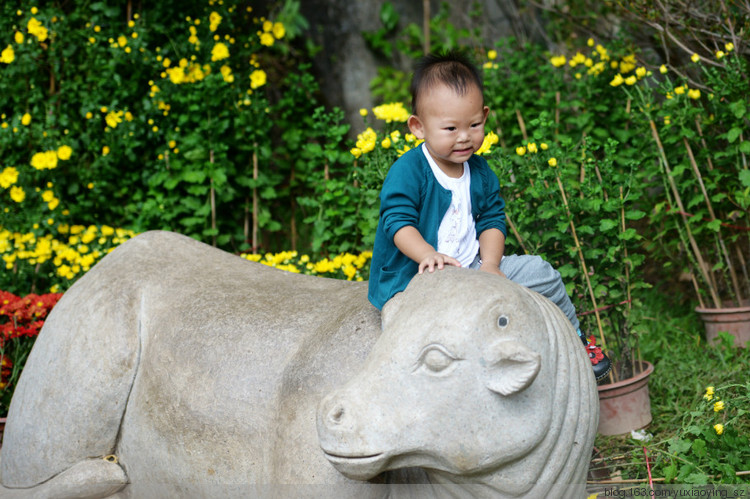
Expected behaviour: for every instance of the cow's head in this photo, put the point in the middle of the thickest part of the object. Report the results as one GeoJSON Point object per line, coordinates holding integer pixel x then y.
{"type": "Point", "coordinates": [461, 380]}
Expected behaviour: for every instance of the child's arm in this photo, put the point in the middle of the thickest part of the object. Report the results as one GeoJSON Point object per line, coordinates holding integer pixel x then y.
{"type": "Point", "coordinates": [491, 249]}
{"type": "Point", "coordinates": [411, 243]}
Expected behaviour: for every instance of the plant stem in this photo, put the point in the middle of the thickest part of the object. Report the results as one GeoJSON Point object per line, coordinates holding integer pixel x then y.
{"type": "Point", "coordinates": [583, 265]}
{"type": "Point", "coordinates": [516, 234]}
{"type": "Point", "coordinates": [213, 198]}
{"type": "Point", "coordinates": [255, 197]}
{"type": "Point", "coordinates": [722, 244]}
{"type": "Point", "coordinates": [521, 124]}
{"type": "Point", "coordinates": [693, 244]}
{"type": "Point", "coordinates": [627, 275]}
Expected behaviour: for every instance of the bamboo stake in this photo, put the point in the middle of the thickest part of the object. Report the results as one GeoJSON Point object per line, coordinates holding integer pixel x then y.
{"type": "Point", "coordinates": [627, 274]}
{"type": "Point", "coordinates": [703, 143]}
{"type": "Point", "coordinates": [213, 199]}
{"type": "Point", "coordinates": [722, 244]}
{"type": "Point", "coordinates": [522, 125]}
{"type": "Point", "coordinates": [693, 244]}
{"type": "Point", "coordinates": [246, 227]}
{"type": "Point", "coordinates": [255, 198]}
{"type": "Point", "coordinates": [697, 290]}
{"type": "Point", "coordinates": [584, 268]}
{"type": "Point", "coordinates": [516, 234]}
{"type": "Point", "coordinates": [557, 114]}
{"type": "Point", "coordinates": [293, 223]}
{"type": "Point", "coordinates": [426, 25]}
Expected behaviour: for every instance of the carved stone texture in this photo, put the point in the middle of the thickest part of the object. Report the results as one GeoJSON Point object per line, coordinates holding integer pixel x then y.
{"type": "Point", "coordinates": [173, 369]}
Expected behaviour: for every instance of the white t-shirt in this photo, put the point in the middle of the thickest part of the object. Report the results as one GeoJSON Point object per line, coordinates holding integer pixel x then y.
{"type": "Point", "coordinates": [457, 235]}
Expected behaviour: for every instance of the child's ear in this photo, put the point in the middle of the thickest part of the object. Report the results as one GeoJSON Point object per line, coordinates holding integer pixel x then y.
{"type": "Point", "coordinates": [486, 111]}
{"type": "Point", "coordinates": [415, 126]}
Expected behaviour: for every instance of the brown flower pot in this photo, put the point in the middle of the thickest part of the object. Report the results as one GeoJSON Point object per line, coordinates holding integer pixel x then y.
{"type": "Point", "coordinates": [734, 320]}
{"type": "Point", "coordinates": [625, 406]}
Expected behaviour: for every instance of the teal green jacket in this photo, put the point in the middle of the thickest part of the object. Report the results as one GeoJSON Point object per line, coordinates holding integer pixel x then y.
{"type": "Point", "coordinates": [411, 195]}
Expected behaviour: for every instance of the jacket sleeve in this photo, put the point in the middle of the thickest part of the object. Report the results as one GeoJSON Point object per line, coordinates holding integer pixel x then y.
{"type": "Point", "coordinates": [492, 214]}
{"type": "Point", "coordinates": [399, 198]}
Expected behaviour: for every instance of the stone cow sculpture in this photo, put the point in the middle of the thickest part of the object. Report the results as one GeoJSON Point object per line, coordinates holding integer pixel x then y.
{"type": "Point", "coordinates": [175, 369]}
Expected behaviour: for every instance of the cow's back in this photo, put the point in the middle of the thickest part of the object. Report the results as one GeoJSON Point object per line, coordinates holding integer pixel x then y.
{"type": "Point", "coordinates": [195, 366]}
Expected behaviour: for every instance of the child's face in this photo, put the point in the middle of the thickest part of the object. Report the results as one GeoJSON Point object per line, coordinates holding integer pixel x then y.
{"type": "Point", "coordinates": [451, 125]}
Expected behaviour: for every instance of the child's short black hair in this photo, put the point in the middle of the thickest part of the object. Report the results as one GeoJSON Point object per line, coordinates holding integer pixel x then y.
{"type": "Point", "coordinates": [452, 68]}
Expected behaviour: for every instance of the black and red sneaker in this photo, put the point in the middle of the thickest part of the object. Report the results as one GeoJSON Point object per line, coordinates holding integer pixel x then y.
{"type": "Point", "coordinates": [599, 361]}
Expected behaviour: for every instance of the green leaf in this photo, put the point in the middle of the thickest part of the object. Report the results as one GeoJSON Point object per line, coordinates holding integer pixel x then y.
{"type": "Point", "coordinates": [738, 108]}
{"type": "Point", "coordinates": [745, 148]}
{"type": "Point", "coordinates": [714, 225]}
{"type": "Point", "coordinates": [733, 133]}
{"type": "Point", "coordinates": [635, 214]}
{"type": "Point", "coordinates": [194, 176]}
{"type": "Point", "coordinates": [607, 224]}
{"type": "Point", "coordinates": [699, 447]}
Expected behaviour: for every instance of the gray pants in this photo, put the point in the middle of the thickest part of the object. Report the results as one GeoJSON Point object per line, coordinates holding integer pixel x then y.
{"type": "Point", "coordinates": [536, 274]}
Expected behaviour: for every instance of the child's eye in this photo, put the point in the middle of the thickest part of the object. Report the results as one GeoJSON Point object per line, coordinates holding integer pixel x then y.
{"type": "Point", "coordinates": [450, 128]}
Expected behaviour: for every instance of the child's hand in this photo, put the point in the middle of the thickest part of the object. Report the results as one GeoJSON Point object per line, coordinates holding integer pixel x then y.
{"type": "Point", "coordinates": [438, 260]}
{"type": "Point", "coordinates": [491, 268]}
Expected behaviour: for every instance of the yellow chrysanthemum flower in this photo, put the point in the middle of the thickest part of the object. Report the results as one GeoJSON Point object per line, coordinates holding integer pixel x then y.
{"type": "Point", "coordinates": [489, 140]}
{"type": "Point", "coordinates": [694, 93]}
{"type": "Point", "coordinates": [18, 37]}
{"type": "Point", "coordinates": [26, 119]}
{"type": "Point", "coordinates": [709, 393]}
{"type": "Point", "coordinates": [113, 118]}
{"type": "Point", "coordinates": [558, 60]}
{"type": "Point", "coordinates": [17, 194]}
{"type": "Point", "coordinates": [214, 20]}
{"type": "Point", "coordinates": [226, 73]}
{"type": "Point", "coordinates": [64, 152]}
{"type": "Point", "coordinates": [719, 428]}
{"type": "Point", "coordinates": [719, 406]}
{"type": "Point", "coordinates": [552, 161]}
{"type": "Point", "coordinates": [520, 150]}
{"type": "Point", "coordinates": [219, 52]}
{"type": "Point", "coordinates": [8, 177]}
{"type": "Point", "coordinates": [394, 111]}
{"type": "Point", "coordinates": [278, 30]}
{"type": "Point", "coordinates": [617, 80]}
{"type": "Point", "coordinates": [266, 39]}
{"type": "Point", "coordinates": [36, 28]}
{"type": "Point", "coordinates": [44, 160]}
{"type": "Point", "coordinates": [257, 78]}
{"type": "Point", "coordinates": [695, 58]}
{"type": "Point", "coordinates": [7, 55]}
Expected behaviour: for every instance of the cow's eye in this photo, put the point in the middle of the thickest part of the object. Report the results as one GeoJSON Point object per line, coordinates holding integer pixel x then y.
{"type": "Point", "coordinates": [502, 321]}
{"type": "Point", "coordinates": [435, 359]}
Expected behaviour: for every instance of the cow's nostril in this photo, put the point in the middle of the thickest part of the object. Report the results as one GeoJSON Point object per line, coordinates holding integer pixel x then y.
{"type": "Point", "coordinates": [336, 414]}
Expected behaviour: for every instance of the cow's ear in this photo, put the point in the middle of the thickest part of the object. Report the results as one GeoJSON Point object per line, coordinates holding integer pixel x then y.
{"type": "Point", "coordinates": [510, 367]}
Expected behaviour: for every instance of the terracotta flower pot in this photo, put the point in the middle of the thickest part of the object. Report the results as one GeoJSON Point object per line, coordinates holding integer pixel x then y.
{"type": "Point", "coordinates": [625, 406]}
{"type": "Point", "coordinates": [734, 320]}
